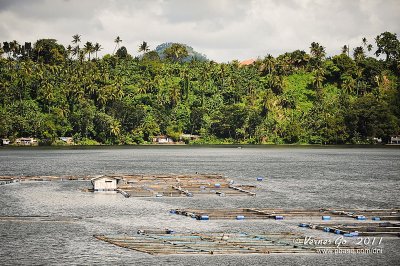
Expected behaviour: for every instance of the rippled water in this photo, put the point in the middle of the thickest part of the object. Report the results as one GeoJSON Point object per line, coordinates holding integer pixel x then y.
{"type": "Point", "coordinates": [295, 177]}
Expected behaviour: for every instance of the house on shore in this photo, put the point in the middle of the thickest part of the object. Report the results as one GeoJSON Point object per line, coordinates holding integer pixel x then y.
{"type": "Point", "coordinates": [162, 139]}
{"type": "Point", "coordinates": [67, 140]}
{"type": "Point", "coordinates": [26, 142]}
{"type": "Point", "coordinates": [105, 183]}
{"type": "Point", "coordinates": [4, 142]}
{"type": "Point", "coordinates": [395, 140]}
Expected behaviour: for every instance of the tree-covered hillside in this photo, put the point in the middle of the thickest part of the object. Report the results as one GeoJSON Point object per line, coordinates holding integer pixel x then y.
{"type": "Point", "coordinates": [48, 91]}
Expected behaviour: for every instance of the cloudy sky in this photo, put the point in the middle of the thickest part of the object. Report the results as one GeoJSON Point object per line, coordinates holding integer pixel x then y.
{"type": "Point", "coordinates": [224, 30]}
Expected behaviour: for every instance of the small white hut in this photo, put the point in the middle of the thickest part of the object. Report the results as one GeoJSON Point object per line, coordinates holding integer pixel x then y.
{"type": "Point", "coordinates": [105, 183]}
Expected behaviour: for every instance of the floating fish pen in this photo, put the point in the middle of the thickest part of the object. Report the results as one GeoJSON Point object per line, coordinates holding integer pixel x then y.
{"type": "Point", "coordinates": [357, 229]}
{"type": "Point", "coordinates": [280, 214]}
{"type": "Point", "coordinates": [34, 218]}
{"type": "Point", "coordinates": [181, 185]}
{"type": "Point", "coordinates": [4, 180]}
{"type": "Point", "coordinates": [165, 243]}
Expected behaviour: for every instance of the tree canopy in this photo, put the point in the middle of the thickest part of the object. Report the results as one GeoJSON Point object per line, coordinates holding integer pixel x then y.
{"type": "Point", "coordinates": [49, 91]}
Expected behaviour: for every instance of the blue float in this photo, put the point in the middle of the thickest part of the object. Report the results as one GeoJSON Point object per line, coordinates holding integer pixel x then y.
{"type": "Point", "coordinates": [259, 178]}
{"type": "Point", "coordinates": [303, 225]}
{"type": "Point", "coordinates": [355, 233]}
{"type": "Point", "coordinates": [217, 185]}
{"type": "Point", "coordinates": [204, 217]}
{"type": "Point", "coordinates": [279, 217]}
{"type": "Point", "coordinates": [361, 217]}
{"type": "Point", "coordinates": [326, 217]}
{"type": "Point", "coordinates": [327, 229]}
{"type": "Point", "coordinates": [240, 217]}
{"type": "Point", "coordinates": [376, 218]}
{"type": "Point", "coordinates": [338, 232]}
{"type": "Point", "coordinates": [348, 235]}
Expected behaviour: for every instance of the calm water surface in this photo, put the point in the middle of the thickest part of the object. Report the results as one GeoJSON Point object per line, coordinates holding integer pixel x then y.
{"type": "Point", "coordinates": [295, 177]}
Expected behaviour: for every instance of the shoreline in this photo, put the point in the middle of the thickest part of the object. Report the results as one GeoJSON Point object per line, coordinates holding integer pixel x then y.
{"type": "Point", "coordinates": [238, 146]}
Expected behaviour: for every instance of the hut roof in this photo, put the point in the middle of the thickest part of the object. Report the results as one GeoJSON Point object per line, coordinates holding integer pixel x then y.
{"type": "Point", "coordinates": [107, 176]}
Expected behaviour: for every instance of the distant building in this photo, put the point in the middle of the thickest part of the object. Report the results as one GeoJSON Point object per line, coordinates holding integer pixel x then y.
{"type": "Point", "coordinates": [105, 183]}
{"type": "Point", "coordinates": [67, 140]}
{"type": "Point", "coordinates": [395, 140]}
{"type": "Point", "coordinates": [377, 140]}
{"type": "Point", "coordinates": [4, 142]}
{"type": "Point", "coordinates": [26, 142]}
{"type": "Point", "coordinates": [162, 139]}
{"type": "Point", "coordinates": [247, 62]}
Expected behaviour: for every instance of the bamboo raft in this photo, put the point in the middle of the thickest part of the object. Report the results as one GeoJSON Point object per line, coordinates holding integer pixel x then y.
{"type": "Point", "coordinates": [182, 185]}
{"type": "Point", "coordinates": [279, 214]}
{"type": "Point", "coordinates": [215, 243]}
{"type": "Point", "coordinates": [358, 229]}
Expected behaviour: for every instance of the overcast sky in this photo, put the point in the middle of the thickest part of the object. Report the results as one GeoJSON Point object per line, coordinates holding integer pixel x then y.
{"type": "Point", "coordinates": [224, 30]}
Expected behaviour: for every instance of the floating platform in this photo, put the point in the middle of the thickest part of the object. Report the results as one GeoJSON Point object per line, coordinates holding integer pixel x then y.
{"type": "Point", "coordinates": [181, 185]}
{"type": "Point", "coordinates": [280, 214]}
{"type": "Point", "coordinates": [217, 243]}
{"type": "Point", "coordinates": [358, 229]}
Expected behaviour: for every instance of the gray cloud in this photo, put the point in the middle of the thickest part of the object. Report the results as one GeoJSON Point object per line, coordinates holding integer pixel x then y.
{"type": "Point", "coordinates": [222, 29]}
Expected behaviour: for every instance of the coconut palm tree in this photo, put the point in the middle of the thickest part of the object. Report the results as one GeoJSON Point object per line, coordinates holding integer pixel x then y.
{"type": "Point", "coordinates": [88, 49]}
{"type": "Point", "coordinates": [117, 42]}
{"type": "Point", "coordinates": [267, 64]}
{"type": "Point", "coordinates": [318, 78]}
{"type": "Point", "coordinates": [115, 128]}
{"type": "Point", "coordinates": [364, 41]}
{"type": "Point", "coordinates": [144, 47]}
{"type": "Point", "coordinates": [345, 49]}
{"type": "Point", "coordinates": [97, 48]}
{"type": "Point", "coordinates": [76, 39]}
{"type": "Point", "coordinates": [317, 50]}
{"type": "Point", "coordinates": [358, 53]}
{"type": "Point", "coordinates": [348, 84]}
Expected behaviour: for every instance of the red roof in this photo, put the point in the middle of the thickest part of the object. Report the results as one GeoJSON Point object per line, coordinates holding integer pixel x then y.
{"type": "Point", "coordinates": [247, 62]}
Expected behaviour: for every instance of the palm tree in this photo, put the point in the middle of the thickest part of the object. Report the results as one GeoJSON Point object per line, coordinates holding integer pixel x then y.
{"type": "Point", "coordinates": [6, 48]}
{"type": "Point", "coordinates": [88, 49]}
{"type": "Point", "coordinates": [317, 50]}
{"type": "Point", "coordinates": [75, 40]}
{"type": "Point", "coordinates": [117, 42]}
{"type": "Point", "coordinates": [97, 48]}
{"type": "Point", "coordinates": [345, 50]}
{"type": "Point", "coordinates": [144, 47]}
{"type": "Point", "coordinates": [318, 78]}
{"type": "Point", "coordinates": [358, 53]}
{"type": "Point", "coordinates": [364, 41]}
{"type": "Point", "coordinates": [268, 64]}
{"type": "Point", "coordinates": [348, 84]}
{"type": "Point", "coordinates": [115, 128]}
{"type": "Point", "coordinates": [15, 47]}
{"type": "Point", "coordinates": [75, 51]}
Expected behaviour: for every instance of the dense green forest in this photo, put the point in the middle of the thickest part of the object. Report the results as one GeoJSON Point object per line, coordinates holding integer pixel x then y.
{"type": "Point", "coordinates": [49, 90]}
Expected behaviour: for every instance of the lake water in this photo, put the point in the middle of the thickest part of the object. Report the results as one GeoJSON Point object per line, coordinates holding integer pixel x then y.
{"type": "Point", "coordinates": [295, 177]}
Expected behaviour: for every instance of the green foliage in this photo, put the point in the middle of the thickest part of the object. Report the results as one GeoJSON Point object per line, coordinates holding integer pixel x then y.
{"type": "Point", "coordinates": [48, 91]}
